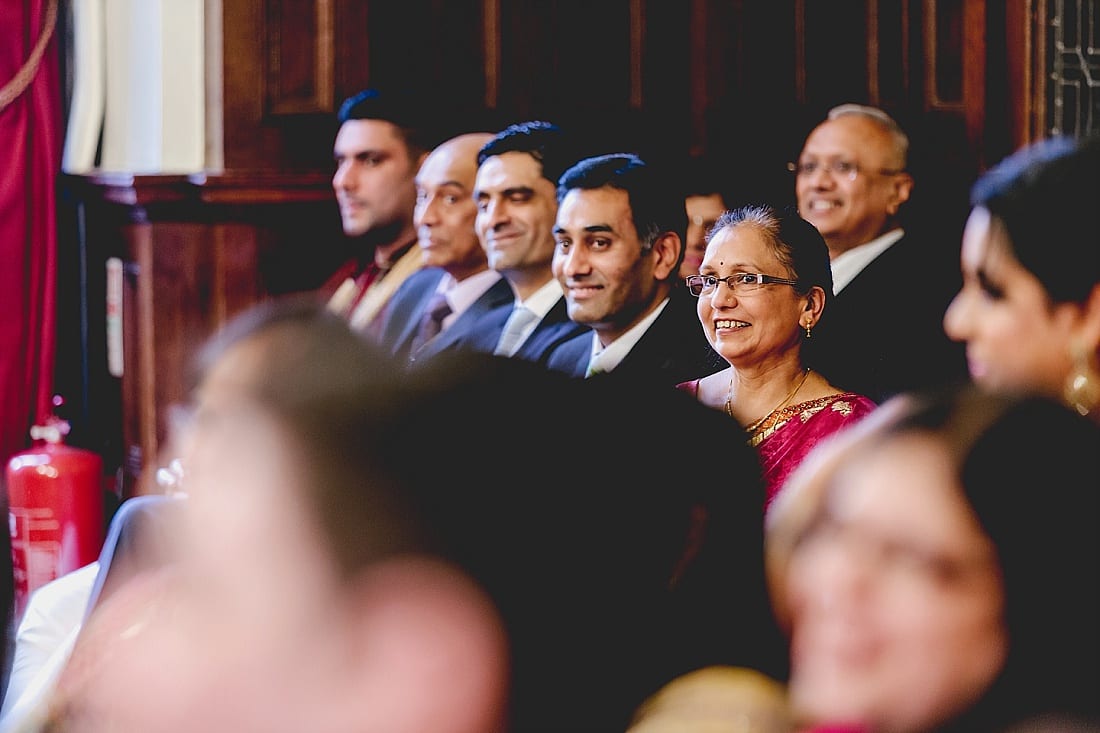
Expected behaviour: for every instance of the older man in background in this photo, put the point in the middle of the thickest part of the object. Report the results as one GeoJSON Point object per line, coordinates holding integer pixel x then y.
{"type": "Point", "coordinates": [883, 330]}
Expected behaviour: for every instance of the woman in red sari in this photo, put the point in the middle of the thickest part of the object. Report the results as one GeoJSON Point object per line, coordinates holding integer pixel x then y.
{"type": "Point", "coordinates": [762, 288]}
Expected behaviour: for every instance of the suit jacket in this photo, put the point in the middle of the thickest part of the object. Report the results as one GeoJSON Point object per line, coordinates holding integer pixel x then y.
{"type": "Point", "coordinates": [410, 301]}
{"type": "Point", "coordinates": [883, 333]}
{"type": "Point", "coordinates": [554, 329]}
{"type": "Point", "coordinates": [673, 349]}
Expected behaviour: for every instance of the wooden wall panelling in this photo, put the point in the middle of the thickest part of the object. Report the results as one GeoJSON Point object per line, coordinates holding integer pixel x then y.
{"type": "Point", "coordinates": [278, 85]}
{"type": "Point", "coordinates": [890, 54]}
{"type": "Point", "coordinates": [943, 53]}
{"type": "Point", "coordinates": [248, 142]}
{"type": "Point", "coordinates": [174, 300]}
{"type": "Point", "coordinates": [1023, 49]}
{"type": "Point", "coordinates": [640, 64]}
{"type": "Point", "coordinates": [433, 46]}
{"type": "Point", "coordinates": [699, 74]}
{"type": "Point", "coordinates": [660, 99]}
{"type": "Point", "coordinates": [491, 53]}
{"type": "Point", "coordinates": [835, 44]}
{"type": "Point", "coordinates": [300, 46]}
{"type": "Point", "coordinates": [621, 81]}
{"type": "Point", "coordinates": [198, 250]}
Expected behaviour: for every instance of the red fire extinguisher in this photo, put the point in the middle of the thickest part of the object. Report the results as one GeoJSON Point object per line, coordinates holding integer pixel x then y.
{"type": "Point", "coordinates": [55, 508]}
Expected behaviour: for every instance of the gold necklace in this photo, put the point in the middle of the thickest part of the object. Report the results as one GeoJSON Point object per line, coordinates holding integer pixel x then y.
{"type": "Point", "coordinates": [752, 428]}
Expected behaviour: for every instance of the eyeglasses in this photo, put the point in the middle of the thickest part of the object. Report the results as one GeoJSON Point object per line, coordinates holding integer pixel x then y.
{"type": "Point", "coordinates": [838, 168]}
{"type": "Point", "coordinates": [739, 282]}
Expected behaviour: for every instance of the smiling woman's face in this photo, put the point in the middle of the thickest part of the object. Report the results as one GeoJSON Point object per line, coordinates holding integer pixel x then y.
{"type": "Point", "coordinates": [895, 595]}
{"type": "Point", "coordinates": [753, 327]}
{"type": "Point", "coordinates": [1016, 339]}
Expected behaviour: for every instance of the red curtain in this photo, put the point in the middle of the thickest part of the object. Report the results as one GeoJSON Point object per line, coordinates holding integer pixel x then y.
{"type": "Point", "coordinates": [30, 159]}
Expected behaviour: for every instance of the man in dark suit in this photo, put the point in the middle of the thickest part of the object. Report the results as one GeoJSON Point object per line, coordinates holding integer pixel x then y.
{"type": "Point", "coordinates": [456, 276]}
{"type": "Point", "coordinates": [517, 202]}
{"type": "Point", "coordinates": [619, 233]}
{"type": "Point", "coordinates": [882, 332]}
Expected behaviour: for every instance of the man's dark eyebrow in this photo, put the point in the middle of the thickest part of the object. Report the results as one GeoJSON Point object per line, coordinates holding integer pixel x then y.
{"type": "Point", "coordinates": [525, 190]}
{"type": "Point", "coordinates": [589, 229]}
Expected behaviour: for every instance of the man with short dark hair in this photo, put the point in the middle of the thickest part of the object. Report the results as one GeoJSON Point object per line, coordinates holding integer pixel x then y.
{"type": "Point", "coordinates": [382, 140]}
{"type": "Point", "coordinates": [619, 234]}
{"type": "Point", "coordinates": [516, 203]}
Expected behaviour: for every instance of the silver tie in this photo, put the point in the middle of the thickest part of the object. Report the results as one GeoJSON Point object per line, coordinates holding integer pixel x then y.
{"type": "Point", "coordinates": [511, 339]}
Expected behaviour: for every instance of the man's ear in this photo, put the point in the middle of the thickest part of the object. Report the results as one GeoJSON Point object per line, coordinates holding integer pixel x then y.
{"type": "Point", "coordinates": [900, 190]}
{"type": "Point", "coordinates": [668, 249]}
{"type": "Point", "coordinates": [427, 649]}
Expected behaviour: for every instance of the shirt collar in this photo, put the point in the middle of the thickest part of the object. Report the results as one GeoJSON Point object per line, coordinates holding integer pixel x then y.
{"type": "Point", "coordinates": [846, 266]}
{"type": "Point", "coordinates": [609, 357]}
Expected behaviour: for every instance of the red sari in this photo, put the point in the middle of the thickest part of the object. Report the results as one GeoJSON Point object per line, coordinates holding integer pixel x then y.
{"type": "Point", "coordinates": [801, 427]}
{"type": "Point", "coordinates": [792, 432]}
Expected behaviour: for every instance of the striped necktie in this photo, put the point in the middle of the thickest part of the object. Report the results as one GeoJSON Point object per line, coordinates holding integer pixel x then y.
{"type": "Point", "coordinates": [431, 323]}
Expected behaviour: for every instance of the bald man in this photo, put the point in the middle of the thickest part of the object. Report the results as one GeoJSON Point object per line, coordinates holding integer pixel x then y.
{"type": "Point", "coordinates": [455, 271]}
{"type": "Point", "coordinates": [881, 332]}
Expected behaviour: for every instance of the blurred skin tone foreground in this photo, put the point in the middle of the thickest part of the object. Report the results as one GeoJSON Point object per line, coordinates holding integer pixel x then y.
{"type": "Point", "coordinates": [330, 579]}
{"type": "Point", "coordinates": [930, 549]}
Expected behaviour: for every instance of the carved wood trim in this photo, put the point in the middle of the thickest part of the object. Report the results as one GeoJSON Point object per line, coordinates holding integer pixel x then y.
{"type": "Point", "coordinates": [490, 15]}
{"type": "Point", "coordinates": [906, 46]}
{"type": "Point", "coordinates": [973, 37]}
{"type": "Point", "coordinates": [287, 95]}
{"type": "Point", "coordinates": [1037, 88]}
{"type": "Point", "coordinates": [974, 55]}
{"type": "Point", "coordinates": [800, 51]}
{"type": "Point", "coordinates": [141, 239]}
{"type": "Point", "coordinates": [873, 94]}
{"type": "Point", "coordinates": [637, 48]}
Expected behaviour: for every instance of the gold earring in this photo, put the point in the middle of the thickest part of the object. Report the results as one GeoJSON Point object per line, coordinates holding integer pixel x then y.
{"type": "Point", "coordinates": [1082, 386]}
{"type": "Point", "coordinates": [807, 330]}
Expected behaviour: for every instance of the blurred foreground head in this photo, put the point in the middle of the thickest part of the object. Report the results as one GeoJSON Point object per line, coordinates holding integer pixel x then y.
{"type": "Point", "coordinates": [947, 544]}
{"type": "Point", "coordinates": [363, 553]}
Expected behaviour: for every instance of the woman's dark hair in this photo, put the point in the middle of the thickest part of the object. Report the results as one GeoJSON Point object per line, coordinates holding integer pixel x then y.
{"type": "Point", "coordinates": [1047, 198]}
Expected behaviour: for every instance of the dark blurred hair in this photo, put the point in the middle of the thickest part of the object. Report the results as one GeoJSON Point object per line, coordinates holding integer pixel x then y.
{"type": "Point", "coordinates": [544, 141]}
{"type": "Point", "coordinates": [644, 574]}
{"type": "Point", "coordinates": [403, 108]}
{"type": "Point", "coordinates": [656, 202]}
{"type": "Point", "coordinates": [1047, 197]}
{"type": "Point", "coordinates": [330, 387]}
